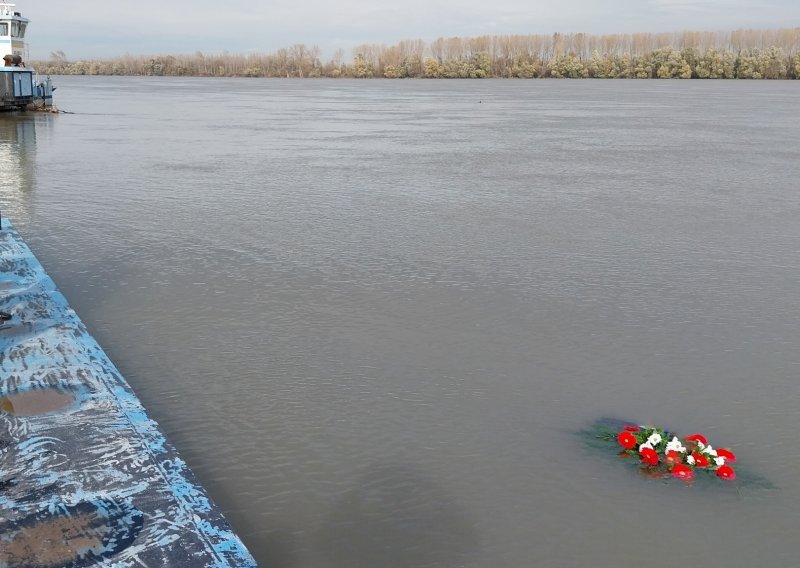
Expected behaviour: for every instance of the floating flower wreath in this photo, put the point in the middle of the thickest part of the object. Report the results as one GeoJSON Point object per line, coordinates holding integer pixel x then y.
{"type": "Point", "coordinates": [658, 454]}
{"type": "Point", "coordinates": [664, 453]}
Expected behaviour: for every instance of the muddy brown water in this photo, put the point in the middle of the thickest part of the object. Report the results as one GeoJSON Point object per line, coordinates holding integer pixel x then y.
{"type": "Point", "coordinates": [36, 402]}
{"type": "Point", "coordinates": [372, 315]}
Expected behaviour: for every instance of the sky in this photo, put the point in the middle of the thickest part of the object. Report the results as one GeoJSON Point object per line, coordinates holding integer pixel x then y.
{"type": "Point", "coordinates": [85, 29]}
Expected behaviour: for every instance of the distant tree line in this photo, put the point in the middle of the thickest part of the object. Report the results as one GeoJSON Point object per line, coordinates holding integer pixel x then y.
{"type": "Point", "coordinates": [741, 54]}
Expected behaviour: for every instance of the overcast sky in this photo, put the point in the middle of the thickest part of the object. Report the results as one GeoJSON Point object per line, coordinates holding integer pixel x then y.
{"type": "Point", "coordinates": [99, 29]}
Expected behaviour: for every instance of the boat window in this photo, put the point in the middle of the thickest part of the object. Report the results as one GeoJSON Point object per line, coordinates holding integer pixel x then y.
{"type": "Point", "coordinates": [22, 29]}
{"type": "Point", "coordinates": [14, 29]}
{"type": "Point", "coordinates": [3, 28]}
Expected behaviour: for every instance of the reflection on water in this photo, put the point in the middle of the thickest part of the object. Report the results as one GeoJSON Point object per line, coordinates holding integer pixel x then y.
{"type": "Point", "coordinates": [395, 516]}
{"type": "Point", "coordinates": [17, 150]}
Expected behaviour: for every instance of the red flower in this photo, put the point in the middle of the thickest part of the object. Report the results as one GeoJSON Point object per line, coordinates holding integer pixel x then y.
{"type": "Point", "coordinates": [632, 428]}
{"type": "Point", "coordinates": [626, 440]}
{"type": "Point", "coordinates": [682, 471]}
{"type": "Point", "coordinates": [726, 472]}
{"type": "Point", "coordinates": [727, 454]}
{"type": "Point", "coordinates": [697, 438]}
{"type": "Point", "coordinates": [673, 457]}
{"type": "Point", "coordinates": [649, 456]}
{"type": "Point", "coordinates": [700, 460]}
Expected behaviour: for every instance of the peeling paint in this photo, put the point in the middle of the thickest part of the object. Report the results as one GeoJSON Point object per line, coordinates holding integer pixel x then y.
{"type": "Point", "coordinates": [82, 465]}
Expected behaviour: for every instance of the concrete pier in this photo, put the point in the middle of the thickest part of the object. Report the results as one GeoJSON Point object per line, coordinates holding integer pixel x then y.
{"type": "Point", "coordinates": [86, 477]}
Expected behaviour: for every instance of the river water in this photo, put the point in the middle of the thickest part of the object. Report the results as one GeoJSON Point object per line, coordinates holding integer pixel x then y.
{"type": "Point", "coordinates": [372, 315]}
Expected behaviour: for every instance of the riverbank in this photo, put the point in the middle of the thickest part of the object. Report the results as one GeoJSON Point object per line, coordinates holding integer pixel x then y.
{"type": "Point", "coordinates": [85, 474]}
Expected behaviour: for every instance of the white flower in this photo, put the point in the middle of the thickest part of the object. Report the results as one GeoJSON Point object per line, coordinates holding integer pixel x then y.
{"type": "Point", "coordinates": [709, 450]}
{"type": "Point", "coordinates": [690, 460]}
{"type": "Point", "coordinates": [654, 438]}
{"type": "Point", "coordinates": [719, 460]}
{"type": "Point", "coordinates": [675, 445]}
{"type": "Point", "coordinates": [647, 444]}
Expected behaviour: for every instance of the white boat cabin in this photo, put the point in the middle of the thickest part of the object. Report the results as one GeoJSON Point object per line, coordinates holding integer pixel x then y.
{"type": "Point", "coordinates": [12, 31]}
{"type": "Point", "coordinates": [19, 88]}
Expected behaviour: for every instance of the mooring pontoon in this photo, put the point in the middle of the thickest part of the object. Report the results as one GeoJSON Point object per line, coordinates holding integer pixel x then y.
{"type": "Point", "coordinates": [20, 87]}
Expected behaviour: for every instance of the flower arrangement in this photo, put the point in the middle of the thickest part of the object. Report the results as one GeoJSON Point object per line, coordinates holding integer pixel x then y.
{"type": "Point", "coordinates": [659, 454]}
{"type": "Point", "coordinates": [663, 453]}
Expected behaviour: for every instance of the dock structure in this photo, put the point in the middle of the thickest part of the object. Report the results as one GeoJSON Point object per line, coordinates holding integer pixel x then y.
{"type": "Point", "coordinates": [87, 478]}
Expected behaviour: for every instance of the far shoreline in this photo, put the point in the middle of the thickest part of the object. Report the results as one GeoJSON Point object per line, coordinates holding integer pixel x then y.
{"type": "Point", "coordinates": [740, 54]}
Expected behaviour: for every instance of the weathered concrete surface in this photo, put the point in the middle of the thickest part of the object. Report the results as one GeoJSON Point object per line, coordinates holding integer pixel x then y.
{"type": "Point", "coordinates": [86, 477]}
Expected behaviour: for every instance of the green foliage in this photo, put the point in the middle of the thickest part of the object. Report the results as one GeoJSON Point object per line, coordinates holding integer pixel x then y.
{"type": "Point", "coordinates": [643, 68]}
{"type": "Point", "coordinates": [773, 63]}
{"type": "Point", "coordinates": [613, 66]}
{"type": "Point", "coordinates": [716, 64]}
{"type": "Point", "coordinates": [667, 63]}
{"type": "Point", "coordinates": [524, 70]}
{"type": "Point", "coordinates": [394, 72]}
{"type": "Point", "coordinates": [568, 66]}
{"type": "Point", "coordinates": [413, 66]}
{"type": "Point", "coordinates": [747, 65]}
{"type": "Point", "coordinates": [770, 63]}
{"type": "Point", "coordinates": [481, 65]}
{"type": "Point", "coordinates": [626, 67]}
{"type": "Point", "coordinates": [155, 67]}
{"type": "Point", "coordinates": [432, 69]}
{"type": "Point", "coordinates": [361, 68]}
{"type": "Point", "coordinates": [601, 67]}
{"type": "Point", "coordinates": [476, 67]}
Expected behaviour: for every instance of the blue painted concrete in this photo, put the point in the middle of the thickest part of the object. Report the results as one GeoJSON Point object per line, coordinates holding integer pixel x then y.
{"type": "Point", "coordinates": [97, 472]}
